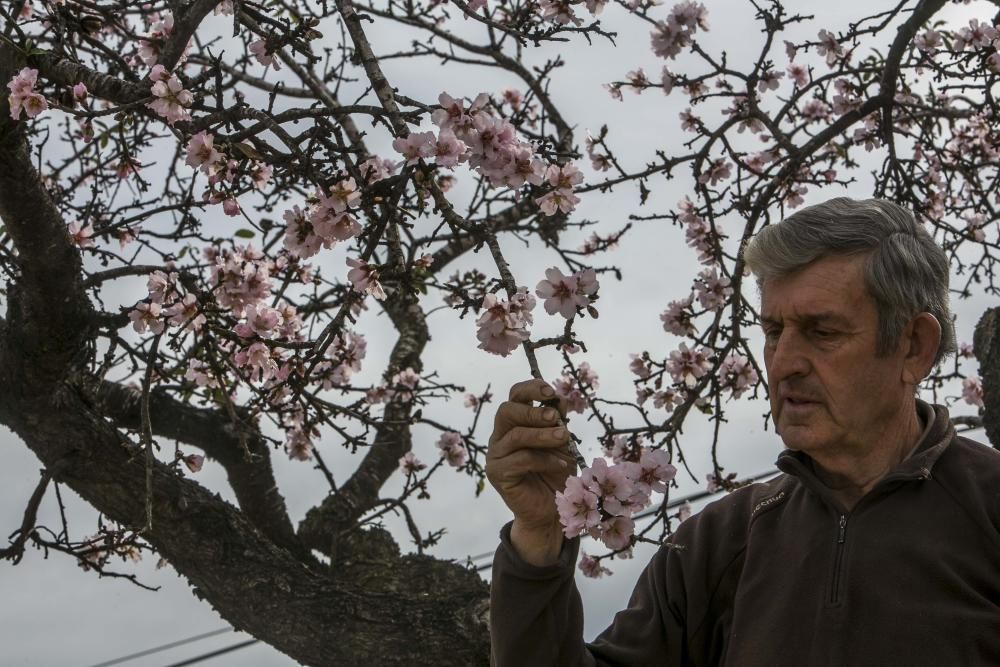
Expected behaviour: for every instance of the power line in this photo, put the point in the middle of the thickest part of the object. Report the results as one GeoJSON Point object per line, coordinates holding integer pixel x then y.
{"type": "Point", "coordinates": [206, 656]}
{"type": "Point", "coordinates": [157, 649]}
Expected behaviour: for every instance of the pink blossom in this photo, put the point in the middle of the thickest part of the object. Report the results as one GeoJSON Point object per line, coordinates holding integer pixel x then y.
{"type": "Point", "coordinates": [159, 73]}
{"type": "Point", "coordinates": [563, 176]}
{"type": "Point", "coordinates": [799, 74]}
{"type": "Point", "coordinates": [713, 483]}
{"type": "Point", "coordinates": [410, 464]}
{"type": "Point", "coordinates": [591, 567]}
{"type": "Point", "coordinates": [966, 351]}
{"type": "Point", "coordinates": [577, 507]}
{"type": "Point", "coordinates": [364, 278]}
{"type": "Point", "coordinates": [616, 449]}
{"type": "Point", "coordinates": [616, 532]}
{"type": "Point", "coordinates": [171, 100]}
{"type": "Point", "coordinates": [972, 391]}
{"type": "Point", "coordinates": [502, 326]}
{"type": "Point", "coordinates": [684, 511]}
{"type": "Point", "coordinates": [376, 169]}
{"type": "Point", "coordinates": [300, 238]}
{"type": "Point", "coordinates": [815, 110]}
{"type": "Point", "coordinates": [201, 151]}
{"type": "Point", "coordinates": [199, 373]}
{"type": "Point", "coordinates": [185, 313]}
{"type": "Point", "coordinates": [261, 320]}
{"type": "Point", "coordinates": [737, 374]}
{"type": "Point", "coordinates": [230, 206]}
{"type": "Point", "coordinates": [259, 50]}
{"type": "Point", "coordinates": [558, 200]}
{"type": "Point", "coordinates": [224, 7]}
{"type": "Point", "coordinates": [453, 114]}
{"type": "Point", "coordinates": [194, 462]}
{"type": "Point", "coordinates": [574, 394]}
{"type": "Point", "coordinates": [770, 80]}
{"type": "Point", "coordinates": [829, 46]}
{"type": "Point", "coordinates": [559, 292]}
{"type": "Point", "coordinates": [146, 315]}
{"type": "Point", "coordinates": [718, 170]}
{"type": "Point", "coordinates": [639, 366]}
{"type": "Point", "coordinates": [667, 399]}
{"type": "Point", "coordinates": [416, 146]}
{"type": "Point", "coordinates": [654, 471]}
{"type": "Point", "coordinates": [260, 174]}
{"type": "Point", "coordinates": [687, 366]}
{"type": "Point", "coordinates": [257, 360]}
{"type": "Point", "coordinates": [978, 34]}
{"type": "Point", "coordinates": [80, 92]}
{"type": "Point", "coordinates": [928, 41]}
{"type": "Point", "coordinates": [23, 95]}
{"type": "Point", "coordinates": [161, 285]}
{"type": "Point", "coordinates": [81, 234]}
{"type": "Point", "coordinates": [689, 122]}
{"type": "Point", "coordinates": [712, 290]}
{"type": "Point", "coordinates": [452, 448]}
{"type": "Point", "coordinates": [610, 483]}
{"type": "Point", "coordinates": [342, 195]}
{"type": "Point", "coordinates": [677, 317]}
{"type": "Point", "coordinates": [449, 150]}
{"type": "Point", "coordinates": [298, 444]}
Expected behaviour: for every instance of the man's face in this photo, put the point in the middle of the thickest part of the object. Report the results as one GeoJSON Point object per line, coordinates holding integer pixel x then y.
{"type": "Point", "coordinates": [829, 393]}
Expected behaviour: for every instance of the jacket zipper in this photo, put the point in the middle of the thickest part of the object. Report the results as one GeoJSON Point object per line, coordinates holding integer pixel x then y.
{"type": "Point", "coordinates": [838, 560]}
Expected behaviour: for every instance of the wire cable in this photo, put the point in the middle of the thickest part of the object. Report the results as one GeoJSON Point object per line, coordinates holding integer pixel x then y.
{"type": "Point", "coordinates": [206, 656]}
{"type": "Point", "coordinates": [157, 649]}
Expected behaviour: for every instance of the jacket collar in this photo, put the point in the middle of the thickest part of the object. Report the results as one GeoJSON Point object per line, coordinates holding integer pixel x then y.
{"type": "Point", "coordinates": [937, 435]}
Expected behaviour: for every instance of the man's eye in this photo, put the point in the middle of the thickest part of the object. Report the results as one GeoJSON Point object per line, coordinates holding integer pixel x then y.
{"type": "Point", "coordinates": [823, 333]}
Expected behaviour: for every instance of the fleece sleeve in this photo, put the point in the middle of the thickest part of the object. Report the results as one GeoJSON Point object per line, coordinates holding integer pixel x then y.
{"type": "Point", "coordinates": [536, 615]}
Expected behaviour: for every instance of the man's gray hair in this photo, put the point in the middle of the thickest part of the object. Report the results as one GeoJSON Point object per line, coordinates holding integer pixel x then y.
{"type": "Point", "coordinates": [906, 272]}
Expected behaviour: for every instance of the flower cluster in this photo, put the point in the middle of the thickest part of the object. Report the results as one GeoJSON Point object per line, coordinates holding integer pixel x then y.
{"type": "Point", "coordinates": [343, 359]}
{"type": "Point", "coordinates": [566, 294]}
{"type": "Point", "coordinates": [490, 145]}
{"type": "Point", "coordinates": [410, 464]}
{"type": "Point", "coordinates": [602, 500]}
{"type": "Point", "coordinates": [972, 391]}
{"type": "Point", "coordinates": [504, 324]}
{"type": "Point", "coordinates": [688, 366]}
{"type": "Point", "coordinates": [165, 305]}
{"type": "Point", "coordinates": [452, 447]}
{"type": "Point", "coordinates": [171, 99]}
{"type": "Point", "coordinates": [677, 32]}
{"type": "Point", "coordinates": [23, 95]}
{"type": "Point", "coordinates": [737, 374]}
{"type": "Point", "coordinates": [574, 393]}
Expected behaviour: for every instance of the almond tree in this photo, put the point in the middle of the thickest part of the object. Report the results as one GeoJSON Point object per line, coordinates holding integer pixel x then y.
{"type": "Point", "coordinates": [240, 186]}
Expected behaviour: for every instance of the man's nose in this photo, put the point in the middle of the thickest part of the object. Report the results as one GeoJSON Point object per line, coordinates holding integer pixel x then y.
{"type": "Point", "coordinates": [788, 357]}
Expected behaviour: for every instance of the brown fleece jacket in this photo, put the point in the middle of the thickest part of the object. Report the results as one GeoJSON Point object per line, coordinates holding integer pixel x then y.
{"type": "Point", "coordinates": [777, 574]}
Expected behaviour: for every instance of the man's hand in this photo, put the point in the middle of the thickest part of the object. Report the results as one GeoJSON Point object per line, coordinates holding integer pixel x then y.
{"type": "Point", "coordinates": [527, 462]}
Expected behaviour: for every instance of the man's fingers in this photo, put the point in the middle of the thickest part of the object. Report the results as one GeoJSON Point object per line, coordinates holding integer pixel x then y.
{"type": "Point", "coordinates": [525, 461]}
{"type": "Point", "coordinates": [531, 390]}
{"type": "Point", "coordinates": [525, 437]}
{"type": "Point", "coordinates": [511, 414]}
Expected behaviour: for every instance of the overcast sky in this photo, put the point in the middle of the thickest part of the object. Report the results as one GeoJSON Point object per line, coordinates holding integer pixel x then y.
{"type": "Point", "coordinates": [54, 613]}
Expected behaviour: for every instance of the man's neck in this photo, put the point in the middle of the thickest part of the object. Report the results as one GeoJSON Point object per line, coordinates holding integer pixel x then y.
{"type": "Point", "coordinates": [853, 473]}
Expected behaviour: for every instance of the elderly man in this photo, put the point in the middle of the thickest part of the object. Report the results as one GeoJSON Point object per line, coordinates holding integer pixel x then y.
{"type": "Point", "coordinates": [878, 545]}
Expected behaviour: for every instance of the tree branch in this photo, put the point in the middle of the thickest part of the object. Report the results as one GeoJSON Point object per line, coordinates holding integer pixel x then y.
{"type": "Point", "coordinates": [239, 448]}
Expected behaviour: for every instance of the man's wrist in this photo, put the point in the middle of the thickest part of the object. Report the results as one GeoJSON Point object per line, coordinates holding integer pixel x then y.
{"type": "Point", "coordinates": [538, 546]}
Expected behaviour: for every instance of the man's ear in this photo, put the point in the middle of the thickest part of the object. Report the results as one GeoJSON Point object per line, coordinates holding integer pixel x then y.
{"type": "Point", "coordinates": [919, 341]}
